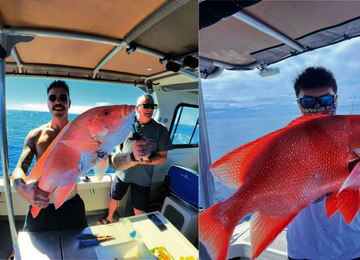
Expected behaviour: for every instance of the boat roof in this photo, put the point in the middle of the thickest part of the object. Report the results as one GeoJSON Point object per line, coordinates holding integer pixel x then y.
{"type": "Point", "coordinates": [270, 31]}
{"type": "Point", "coordinates": [126, 41]}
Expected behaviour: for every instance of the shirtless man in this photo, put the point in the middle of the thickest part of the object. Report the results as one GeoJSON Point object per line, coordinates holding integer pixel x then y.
{"type": "Point", "coordinates": [72, 213]}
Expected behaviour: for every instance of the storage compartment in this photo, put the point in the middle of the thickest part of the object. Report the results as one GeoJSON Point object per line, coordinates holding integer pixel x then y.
{"type": "Point", "coordinates": [133, 249]}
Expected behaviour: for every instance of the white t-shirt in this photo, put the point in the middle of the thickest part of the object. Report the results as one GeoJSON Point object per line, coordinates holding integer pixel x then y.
{"type": "Point", "coordinates": [311, 235]}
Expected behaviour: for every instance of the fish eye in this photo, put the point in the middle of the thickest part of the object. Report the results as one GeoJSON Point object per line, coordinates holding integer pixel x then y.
{"type": "Point", "coordinates": [106, 112]}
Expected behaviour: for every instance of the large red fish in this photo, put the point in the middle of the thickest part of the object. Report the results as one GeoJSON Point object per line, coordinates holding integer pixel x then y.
{"type": "Point", "coordinates": [280, 174]}
{"type": "Point", "coordinates": [82, 145]}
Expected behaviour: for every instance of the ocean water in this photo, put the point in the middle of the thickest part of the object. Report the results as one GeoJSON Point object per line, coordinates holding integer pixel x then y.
{"type": "Point", "coordinates": [20, 123]}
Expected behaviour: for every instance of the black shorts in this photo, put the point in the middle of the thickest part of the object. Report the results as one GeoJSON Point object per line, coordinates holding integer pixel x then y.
{"type": "Point", "coordinates": [70, 215]}
{"type": "Point", "coordinates": [140, 195]}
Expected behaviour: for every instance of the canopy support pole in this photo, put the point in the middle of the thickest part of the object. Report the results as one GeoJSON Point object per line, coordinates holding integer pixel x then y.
{"type": "Point", "coordinates": [207, 186]}
{"type": "Point", "coordinates": [3, 146]}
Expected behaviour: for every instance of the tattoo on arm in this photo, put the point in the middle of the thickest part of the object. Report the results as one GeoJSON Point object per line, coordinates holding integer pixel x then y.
{"type": "Point", "coordinates": [120, 161]}
{"type": "Point", "coordinates": [18, 182]}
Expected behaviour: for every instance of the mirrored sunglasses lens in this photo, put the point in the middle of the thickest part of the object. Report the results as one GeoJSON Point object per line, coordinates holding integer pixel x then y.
{"type": "Point", "coordinates": [326, 100]}
{"type": "Point", "coordinates": [307, 102]}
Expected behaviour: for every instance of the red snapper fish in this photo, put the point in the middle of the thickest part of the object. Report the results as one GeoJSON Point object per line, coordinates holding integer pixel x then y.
{"type": "Point", "coordinates": [82, 145]}
{"type": "Point", "coordinates": [280, 174]}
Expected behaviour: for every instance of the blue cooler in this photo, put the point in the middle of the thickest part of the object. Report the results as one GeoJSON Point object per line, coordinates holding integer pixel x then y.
{"type": "Point", "coordinates": [183, 183]}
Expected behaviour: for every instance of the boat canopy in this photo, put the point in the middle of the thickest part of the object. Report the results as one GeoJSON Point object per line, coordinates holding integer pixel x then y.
{"type": "Point", "coordinates": [269, 31]}
{"type": "Point", "coordinates": [128, 42]}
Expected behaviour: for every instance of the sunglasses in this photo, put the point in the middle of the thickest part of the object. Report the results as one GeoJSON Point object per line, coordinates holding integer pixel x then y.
{"type": "Point", "coordinates": [147, 106]}
{"type": "Point", "coordinates": [310, 102]}
{"type": "Point", "coordinates": [62, 97]}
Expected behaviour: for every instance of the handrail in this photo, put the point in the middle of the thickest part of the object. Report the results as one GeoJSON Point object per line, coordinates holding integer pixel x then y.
{"type": "Point", "coordinates": [3, 148]}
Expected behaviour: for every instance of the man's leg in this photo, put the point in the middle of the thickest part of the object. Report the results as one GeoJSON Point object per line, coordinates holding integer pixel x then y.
{"type": "Point", "coordinates": [138, 212]}
{"type": "Point", "coordinates": [117, 192]}
{"type": "Point", "coordinates": [112, 207]}
{"type": "Point", "coordinates": [140, 198]}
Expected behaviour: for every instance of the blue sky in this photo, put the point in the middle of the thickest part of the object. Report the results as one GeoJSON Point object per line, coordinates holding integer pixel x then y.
{"type": "Point", "coordinates": [251, 93]}
{"type": "Point", "coordinates": [30, 94]}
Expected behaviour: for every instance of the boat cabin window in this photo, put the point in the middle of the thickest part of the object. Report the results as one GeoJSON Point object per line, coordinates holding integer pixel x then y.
{"type": "Point", "coordinates": [184, 130]}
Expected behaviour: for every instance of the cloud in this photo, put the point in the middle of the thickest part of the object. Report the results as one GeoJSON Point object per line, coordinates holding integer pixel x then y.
{"type": "Point", "coordinates": [44, 108]}
{"type": "Point", "coordinates": [246, 89]}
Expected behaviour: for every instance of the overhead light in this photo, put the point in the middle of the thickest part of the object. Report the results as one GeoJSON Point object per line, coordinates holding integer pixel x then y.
{"type": "Point", "coordinates": [266, 72]}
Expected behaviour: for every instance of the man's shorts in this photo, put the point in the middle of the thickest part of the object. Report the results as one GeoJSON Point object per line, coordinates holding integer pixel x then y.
{"type": "Point", "coordinates": [71, 214]}
{"type": "Point", "coordinates": [140, 195]}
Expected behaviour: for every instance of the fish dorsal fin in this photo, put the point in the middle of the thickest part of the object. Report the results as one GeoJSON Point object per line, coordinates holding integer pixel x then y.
{"type": "Point", "coordinates": [232, 168]}
{"type": "Point", "coordinates": [264, 229]}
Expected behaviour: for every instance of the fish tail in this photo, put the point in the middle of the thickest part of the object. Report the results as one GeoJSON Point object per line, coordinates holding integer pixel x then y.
{"type": "Point", "coordinates": [35, 211]}
{"type": "Point", "coordinates": [216, 226]}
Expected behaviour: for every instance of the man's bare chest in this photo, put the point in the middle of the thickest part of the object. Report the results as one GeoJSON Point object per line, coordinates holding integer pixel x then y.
{"type": "Point", "coordinates": [44, 141]}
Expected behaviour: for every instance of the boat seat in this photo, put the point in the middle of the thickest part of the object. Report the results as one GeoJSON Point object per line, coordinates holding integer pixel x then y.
{"type": "Point", "coordinates": [183, 183]}
{"type": "Point", "coordinates": [181, 207]}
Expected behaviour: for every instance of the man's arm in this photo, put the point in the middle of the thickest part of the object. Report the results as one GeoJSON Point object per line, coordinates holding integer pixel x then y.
{"type": "Point", "coordinates": [158, 159]}
{"type": "Point", "coordinates": [122, 161]}
{"type": "Point", "coordinates": [29, 192]}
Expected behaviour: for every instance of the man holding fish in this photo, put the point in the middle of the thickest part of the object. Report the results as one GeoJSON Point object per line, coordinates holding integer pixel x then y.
{"type": "Point", "coordinates": [138, 174]}
{"type": "Point", "coordinates": [312, 235]}
{"type": "Point", "coordinates": [283, 177]}
{"type": "Point", "coordinates": [54, 202]}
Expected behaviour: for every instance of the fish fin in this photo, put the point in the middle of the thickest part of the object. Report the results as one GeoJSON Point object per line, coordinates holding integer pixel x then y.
{"type": "Point", "coordinates": [216, 229]}
{"type": "Point", "coordinates": [80, 147]}
{"type": "Point", "coordinates": [232, 168]}
{"type": "Point", "coordinates": [330, 204]}
{"type": "Point", "coordinates": [353, 180]}
{"type": "Point", "coordinates": [348, 203]}
{"type": "Point", "coordinates": [97, 129]}
{"type": "Point", "coordinates": [264, 229]}
{"type": "Point", "coordinates": [60, 194]}
{"type": "Point", "coordinates": [100, 168]}
{"type": "Point", "coordinates": [35, 211]}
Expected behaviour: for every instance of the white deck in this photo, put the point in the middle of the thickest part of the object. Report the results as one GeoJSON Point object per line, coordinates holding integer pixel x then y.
{"type": "Point", "coordinates": [240, 245]}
